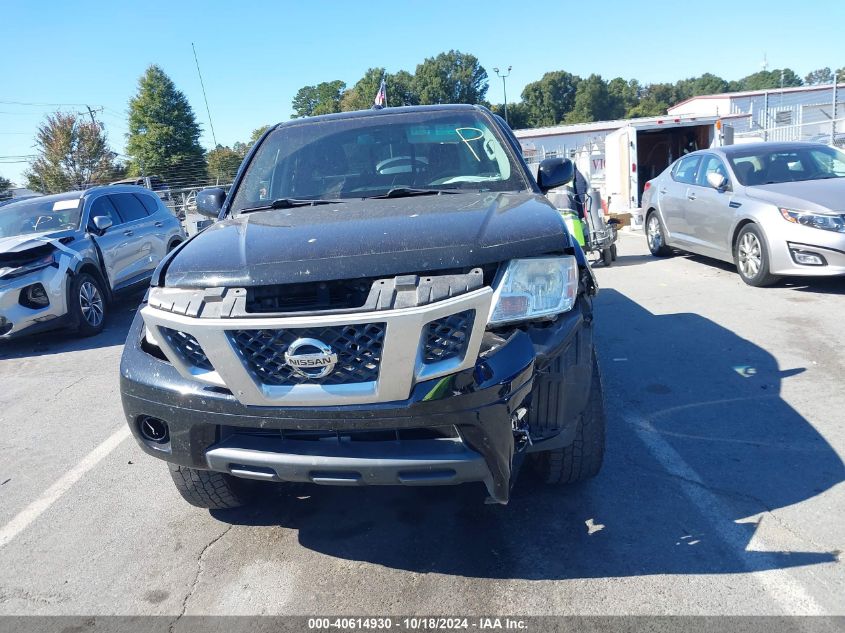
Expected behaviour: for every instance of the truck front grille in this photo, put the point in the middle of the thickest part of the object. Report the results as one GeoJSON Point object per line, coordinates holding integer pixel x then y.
{"type": "Point", "coordinates": [448, 337]}
{"type": "Point", "coordinates": [358, 348]}
{"type": "Point", "coordinates": [188, 348]}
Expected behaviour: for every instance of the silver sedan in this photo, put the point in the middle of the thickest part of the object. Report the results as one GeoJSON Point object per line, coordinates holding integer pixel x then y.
{"type": "Point", "coordinates": [773, 209]}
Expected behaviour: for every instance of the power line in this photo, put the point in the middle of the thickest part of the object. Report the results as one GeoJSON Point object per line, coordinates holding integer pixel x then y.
{"type": "Point", "coordinates": [47, 105]}
{"type": "Point", "coordinates": [213, 136]}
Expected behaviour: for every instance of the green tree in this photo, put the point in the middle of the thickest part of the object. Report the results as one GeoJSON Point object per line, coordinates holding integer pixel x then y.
{"type": "Point", "coordinates": [163, 134]}
{"type": "Point", "coordinates": [72, 153]}
{"type": "Point", "coordinates": [819, 76]}
{"type": "Point", "coordinates": [452, 77]}
{"type": "Point", "coordinates": [324, 98]}
{"type": "Point", "coordinates": [592, 101]}
{"type": "Point", "coordinates": [622, 96]}
{"type": "Point", "coordinates": [256, 134]}
{"type": "Point", "coordinates": [769, 80]}
{"type": "Point", "coordinates": [655, 99]}
{"type": "Point", "coordinates": [362, 95]}
{"type": "Point", "coordinates": [5, 185]}
{"type": "Point", "coordinates": [518, 115]}
{"type": "Point", "coordinates": [401, 89]}
{"type": "Point", "coordinates": [550, 99]}
{"type": "Point", "coordinates": [223, 162]}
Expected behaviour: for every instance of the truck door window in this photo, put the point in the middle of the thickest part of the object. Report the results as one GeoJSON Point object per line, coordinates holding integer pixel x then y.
{"type": "Point", "coordinates": [685, 170]}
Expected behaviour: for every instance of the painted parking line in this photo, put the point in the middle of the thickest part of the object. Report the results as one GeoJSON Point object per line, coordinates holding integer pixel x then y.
{"type": "Point", "coordinates": [782, 588]}
{"type": "Point", "coordinates": [35, 509]}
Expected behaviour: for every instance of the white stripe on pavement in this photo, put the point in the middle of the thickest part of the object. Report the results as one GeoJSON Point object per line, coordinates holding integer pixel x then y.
{"type": "Point", "coordinates": [35, 509]}
{"type": "Point", "coordinates": [786, 591]}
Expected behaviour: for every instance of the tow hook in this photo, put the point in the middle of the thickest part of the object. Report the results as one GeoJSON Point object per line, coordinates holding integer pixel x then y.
{"type": "Point", "coordinates": [521, 434]}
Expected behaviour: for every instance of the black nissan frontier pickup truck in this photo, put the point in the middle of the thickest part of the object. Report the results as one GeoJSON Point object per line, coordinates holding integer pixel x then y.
{"type": "Point", "coordinates": [386, 297]}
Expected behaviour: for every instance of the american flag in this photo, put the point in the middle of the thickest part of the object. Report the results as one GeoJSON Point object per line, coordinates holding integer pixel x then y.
{"type": "Point", "coordinates": [381, 96]}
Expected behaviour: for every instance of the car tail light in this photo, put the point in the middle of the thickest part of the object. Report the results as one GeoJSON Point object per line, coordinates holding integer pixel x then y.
{"type": "Point", "coordinates": [647, 186]}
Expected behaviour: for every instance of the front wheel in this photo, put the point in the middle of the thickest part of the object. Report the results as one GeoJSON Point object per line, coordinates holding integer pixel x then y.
{"type": "Point", "coordinates": [583, 458]}
{"type": "Point", "coordinates": [209, 489]}
{"type": "Point", "coordinates": [87, 304]}
{"type": "Point", "coordinates": [656, 236]}
{"type": "Point", "coordinates": [752, 257]}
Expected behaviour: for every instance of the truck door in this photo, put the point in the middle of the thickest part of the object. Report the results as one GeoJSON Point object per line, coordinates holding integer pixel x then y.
{"type": "Point", "coordinates": [622, 188]}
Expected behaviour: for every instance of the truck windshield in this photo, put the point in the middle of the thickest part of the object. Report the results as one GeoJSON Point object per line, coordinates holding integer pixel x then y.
{"type": "Point", "coordinates": [39, 215]}
{"type": "Point", "coordinates": [363, 157]}
{"type": "Point", "coordinates": [802, 162]}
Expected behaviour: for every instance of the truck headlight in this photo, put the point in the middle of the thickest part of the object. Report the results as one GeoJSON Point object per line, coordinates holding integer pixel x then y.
{"type": "Point", "coordinates": [815, 220]}
{"type": "Point", "coordinates": [535, 288]}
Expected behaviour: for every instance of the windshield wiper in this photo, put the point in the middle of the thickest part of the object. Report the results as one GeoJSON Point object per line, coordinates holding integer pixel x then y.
{"type": "Point", "coordinates": [289, 203]}
{"type": "Point", "coordinates": [407, 192]}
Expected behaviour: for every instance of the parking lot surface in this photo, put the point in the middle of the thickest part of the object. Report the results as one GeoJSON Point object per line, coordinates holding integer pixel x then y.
{"type": "Point", "coordinates": [721, 493]}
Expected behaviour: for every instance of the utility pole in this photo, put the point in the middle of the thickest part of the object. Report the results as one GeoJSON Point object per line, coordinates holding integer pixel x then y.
{"type": "Point", "coordinates": [504, 76]}
{"type": "Point", "coordinates": [833, 118]}
{"type": "Point", "coordinates": [202, 85]}
{"type": "Point", "coordinates": [91, 114]}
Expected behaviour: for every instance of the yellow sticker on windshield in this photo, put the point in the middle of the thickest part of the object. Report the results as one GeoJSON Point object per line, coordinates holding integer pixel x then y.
{"type": "Point", "coordinates": [64, 205]}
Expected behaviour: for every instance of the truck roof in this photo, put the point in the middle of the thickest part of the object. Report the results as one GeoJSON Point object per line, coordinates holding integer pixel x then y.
{"type": "Point", "coordinates": [358, 114]}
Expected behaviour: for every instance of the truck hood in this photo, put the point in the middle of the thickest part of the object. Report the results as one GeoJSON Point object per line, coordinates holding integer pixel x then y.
{"type": "Point", "coordinates": [821, 196]}
{"type": "Point", "coordinates": [368, 238]}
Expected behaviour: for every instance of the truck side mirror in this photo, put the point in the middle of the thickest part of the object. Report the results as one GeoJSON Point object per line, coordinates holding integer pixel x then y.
{"type": "Point", "coordinates": [717, 181]}
{"type": "Point", "coordinates": [210, 201]}
{"type": "Point", "coordinates": [555, 172]}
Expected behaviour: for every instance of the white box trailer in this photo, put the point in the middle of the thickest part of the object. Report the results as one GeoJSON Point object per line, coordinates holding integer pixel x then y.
{"type": "Point", "coordinates": [641, 150]}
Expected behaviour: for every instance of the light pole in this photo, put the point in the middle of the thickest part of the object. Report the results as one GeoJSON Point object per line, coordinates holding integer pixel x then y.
{"type": "Point", "coordinates": [504, 76]}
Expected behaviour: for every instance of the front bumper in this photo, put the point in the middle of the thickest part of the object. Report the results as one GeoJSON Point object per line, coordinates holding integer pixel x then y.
{"type": "Point", "coordinates": [791, 239]}
{"type": "Point", "coordinates": [210, 429]}
{"type": "Point", "coordinates": [18, 319]}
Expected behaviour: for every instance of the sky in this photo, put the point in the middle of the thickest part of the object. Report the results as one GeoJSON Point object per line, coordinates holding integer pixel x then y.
{"type": "Point", "coordinates": [255, 55]}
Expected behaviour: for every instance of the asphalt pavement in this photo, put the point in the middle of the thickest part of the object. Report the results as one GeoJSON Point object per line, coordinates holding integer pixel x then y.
{"type": "Point", "coordinates": [721, 493]}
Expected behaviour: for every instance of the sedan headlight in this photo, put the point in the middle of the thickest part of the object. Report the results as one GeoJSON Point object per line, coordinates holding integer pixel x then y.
{"type": "Point", "coordinates": [815, 220]}
{"type": "Point", "coordinates": [535, 288]}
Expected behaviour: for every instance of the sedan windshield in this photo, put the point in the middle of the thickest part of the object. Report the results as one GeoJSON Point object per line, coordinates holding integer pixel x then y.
{"type": "Point", "coordinates": [38, 215]}
{"type": "Point", "coordinates": [802, 162]}
{"type": "Point", "coordinates": [370, 156]}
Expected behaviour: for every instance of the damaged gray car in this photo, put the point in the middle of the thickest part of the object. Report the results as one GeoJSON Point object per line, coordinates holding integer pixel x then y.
{"type": "Point", "coordinates": [64, 257]}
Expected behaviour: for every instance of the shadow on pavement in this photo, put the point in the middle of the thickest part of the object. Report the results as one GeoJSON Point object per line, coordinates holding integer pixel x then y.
{"type": "Point", "coordinates": [818, 285]}
{"type": "Point", "coordinates": [712, 399]}
{"type": "Point", "coordinates": [63, 340]}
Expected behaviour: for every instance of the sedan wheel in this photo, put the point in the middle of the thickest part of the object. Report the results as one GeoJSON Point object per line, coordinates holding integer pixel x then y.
{"type": "Point", "coordinates": [752, 259]}
{"type": "Point", "coordinates": [749, 255]}
{"type": "Point", "coordinates": [654, 235]}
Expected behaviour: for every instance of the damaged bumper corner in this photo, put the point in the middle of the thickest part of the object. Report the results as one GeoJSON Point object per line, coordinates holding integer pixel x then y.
{"type": "Point", "coordinates": [18, 318]}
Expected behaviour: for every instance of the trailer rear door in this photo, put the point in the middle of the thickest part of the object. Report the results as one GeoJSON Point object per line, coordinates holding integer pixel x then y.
{"type": "Point", "coordinates": [620, 149]}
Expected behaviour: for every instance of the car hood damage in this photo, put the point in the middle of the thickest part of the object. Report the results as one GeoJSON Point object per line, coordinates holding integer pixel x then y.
{"type": "Point", "coordinates": [367, 238]}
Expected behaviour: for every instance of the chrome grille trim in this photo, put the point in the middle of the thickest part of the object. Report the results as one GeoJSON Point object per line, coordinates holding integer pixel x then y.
{"type": "Point", "coordinates": [402, 365]}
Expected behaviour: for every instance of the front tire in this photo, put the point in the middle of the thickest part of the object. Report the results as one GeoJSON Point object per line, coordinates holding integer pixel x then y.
{"type": "Point", "coordinates": [584, 457]}
{"type": "Point", "coordinates": [87, 304]}
{"type": "Point", "coordinates": [751, 256]}
{"type": "Point", "coordinates": [655, 234]}
{"type": "Point", "coordinates": [208, 489]}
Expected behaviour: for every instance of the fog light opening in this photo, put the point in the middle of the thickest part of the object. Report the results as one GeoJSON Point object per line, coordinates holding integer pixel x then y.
{"type": "Point", "coordinates": [154, 430]}
{"type": "Point", "coordinates": [807, 258]}
{"type": "Point", "coordinates": [35, 297]}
